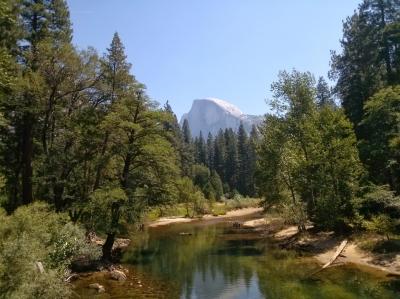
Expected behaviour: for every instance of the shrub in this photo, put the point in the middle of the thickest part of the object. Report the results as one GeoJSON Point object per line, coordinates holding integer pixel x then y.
{"type": "Point", "coordinates": [34, 234]}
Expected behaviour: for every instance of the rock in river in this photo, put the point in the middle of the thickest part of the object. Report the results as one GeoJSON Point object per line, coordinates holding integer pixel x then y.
{"type": "Point", "coordinates": [118, 275]}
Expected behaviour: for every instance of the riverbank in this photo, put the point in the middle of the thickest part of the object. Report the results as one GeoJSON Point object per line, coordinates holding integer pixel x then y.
{"type": "Point", "coordinates": [230, 214]}
{"type": "Point", "coordinates": [353, 254]}
{"type": "Point", "coordinates": [323, 245]}
{"type": "Point", "coordinates": [320, 245]}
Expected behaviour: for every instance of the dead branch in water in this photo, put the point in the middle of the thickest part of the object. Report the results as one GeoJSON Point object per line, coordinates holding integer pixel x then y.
{"type": "Point", "coordinates": [337, 253]}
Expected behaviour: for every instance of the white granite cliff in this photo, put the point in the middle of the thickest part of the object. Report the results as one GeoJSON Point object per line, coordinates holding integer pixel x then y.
{"type": "Point", "coordinates": [211, 114]}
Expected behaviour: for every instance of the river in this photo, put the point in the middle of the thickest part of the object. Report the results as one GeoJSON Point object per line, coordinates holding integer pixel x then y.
{"type": "Point", "coordinates": [211, 259]}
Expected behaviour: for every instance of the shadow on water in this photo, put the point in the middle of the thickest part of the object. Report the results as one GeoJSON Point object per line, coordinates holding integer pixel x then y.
{"type": "Point", "coordinates": [214, 261]}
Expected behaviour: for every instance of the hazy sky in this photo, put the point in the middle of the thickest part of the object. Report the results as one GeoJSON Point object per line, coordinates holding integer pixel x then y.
{"type": "Point", "coordinates": [229, 49]}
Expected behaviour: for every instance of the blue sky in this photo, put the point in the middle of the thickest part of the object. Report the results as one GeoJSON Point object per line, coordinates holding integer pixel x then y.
{"type": "Point", "coordinates": [229, 49]}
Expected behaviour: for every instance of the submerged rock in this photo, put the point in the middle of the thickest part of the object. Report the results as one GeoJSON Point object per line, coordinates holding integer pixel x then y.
{"type": "Point", "coordinates": [98, 287]}
{"type": "Point", "coordinates": [118, 275]}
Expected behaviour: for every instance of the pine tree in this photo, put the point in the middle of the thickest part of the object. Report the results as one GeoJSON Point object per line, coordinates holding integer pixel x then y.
{"type": "Point", "coordinates": [188, 154]}
{"type": "Point", "coordinates": [210, 151]}
{"type": "Point", "coordinates": [231, 159]}
{"type": "Point", "coordinates": [370, 57]}
{"type": "Point", "coordinates": [201, 150]}
{"type": "Point", "coordinates": [187, 135]}
{"type": "Point", "coordinates": [116, 83]}
{"type": "Point", "coordinates": [243, 161]}
{"type": "Point", "coordinates": [220, 154]}
{"type": "Point", "coordinates": [45, 29]}
{"type": "Point", "coordinates": [253, 157]}
{"type": "Point", "coordinates": [216, 183]}
{"type": "Point", "coordinates": [175, 135]}
{"type": "Point", "coordinates": [324, 96]}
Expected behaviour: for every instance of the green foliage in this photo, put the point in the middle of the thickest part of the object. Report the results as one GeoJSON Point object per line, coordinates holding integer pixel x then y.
{"type": "Point", "coordinates": [381, 224]}
{"type": "Point", "coordinates": [308, 155]}
{"type": "Point", "coordinates": [36, 234]}
{"type": "Point", "coordinates": [104, 205]}
{"type": "Point", "coordinates": [293, 213]}
{"type": "Point", "coordinates": [368, 60]}
{"type": "Point", "coordinates": [216, 184]}
{"type": "Point", "coordinates": [380, 148]}
{"type": "Point", "coordinates": [209, 182]}
{"type": "Point", "coordinates": [192, 198]}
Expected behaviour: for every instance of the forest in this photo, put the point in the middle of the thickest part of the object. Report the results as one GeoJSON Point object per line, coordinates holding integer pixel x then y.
{"type": "Point", "coordinates": [83, 148]}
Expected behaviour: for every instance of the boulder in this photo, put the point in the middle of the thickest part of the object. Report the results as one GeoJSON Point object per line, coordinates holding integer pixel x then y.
{"type": "Point", "coordinates": [98, 287]}
{"type": "Point", "coordinates": [118, 275]}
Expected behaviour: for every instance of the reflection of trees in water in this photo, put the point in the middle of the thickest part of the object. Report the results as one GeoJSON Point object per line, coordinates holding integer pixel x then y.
{"type": "Point", "coordinates": [202, 258]}
{"type": "Point", "coordinates": [210, 262]}
{"type": "Point", "coordinates": [282, 275]}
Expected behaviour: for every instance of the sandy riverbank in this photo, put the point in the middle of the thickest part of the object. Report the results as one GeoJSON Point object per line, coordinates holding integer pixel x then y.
{"type": "Point", "coordinates": [322, 246]}
{"type": "Point", "coordinates": [231, 214]}
{"type": "Point", "coordinates": [353, 254]}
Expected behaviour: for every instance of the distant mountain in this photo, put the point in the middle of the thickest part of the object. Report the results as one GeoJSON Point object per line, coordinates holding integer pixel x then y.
{"type": "Point", "coordinates": [211, 114]}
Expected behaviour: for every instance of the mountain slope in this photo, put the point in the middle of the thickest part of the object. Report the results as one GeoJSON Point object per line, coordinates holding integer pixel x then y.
{"type": "Point", "coordinates": [211, 114]}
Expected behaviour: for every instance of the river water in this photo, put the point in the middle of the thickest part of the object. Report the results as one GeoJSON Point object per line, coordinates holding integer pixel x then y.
{"type": "Point", "coordinates": [213, 260]}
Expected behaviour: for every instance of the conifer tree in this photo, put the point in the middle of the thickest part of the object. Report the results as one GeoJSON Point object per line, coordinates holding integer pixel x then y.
{"type": "Point", "coordinates": [370, 58]}
{"type": "Point", "coordinates": [231, 159]}
{"type": "Point", "coordinates": [210, 151]}
{"type": "Point", "coordinates": [201, 150]}
{"type": "Point", "coordinates": [253, 157]}
{"type": "Point", "coordinates": [243, 160]}
{"type": "Point", "coordinates": [220, 154]}
{"type": "Point", "coordinates": [188, 154]}
{"type": "Point", "coordinates": [324, 96]}
{"type": "Point", "coordinates": [44, 29]}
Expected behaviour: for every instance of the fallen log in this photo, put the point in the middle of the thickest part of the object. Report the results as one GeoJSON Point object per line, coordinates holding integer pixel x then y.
{"type": "Point", "coordinates": [334, 257]}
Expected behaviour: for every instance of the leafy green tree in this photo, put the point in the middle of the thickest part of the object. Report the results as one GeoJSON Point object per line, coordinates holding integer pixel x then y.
{"type": "Point", "coordinates": [116, 83]}
{"type": "Point", "coordinates": [141, 159]}
{"type": "Point", "coordinates": [308, 156]}
{"type": "Point", "coordinates": [336, 169]}
{"type": "Point", "coordinates": [192, 197]}
{"type": "Point", "coordinates": [381, 147]}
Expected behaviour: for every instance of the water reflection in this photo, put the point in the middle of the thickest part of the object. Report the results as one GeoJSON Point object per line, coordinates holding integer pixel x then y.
{"type": "Point", "coordinates": [216, 262]}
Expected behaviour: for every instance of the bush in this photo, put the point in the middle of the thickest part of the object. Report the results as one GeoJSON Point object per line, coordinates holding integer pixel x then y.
{"type": "Point", "coordinates": [35, 234]}
{"type": "Point", "coordinates": [380, 224]}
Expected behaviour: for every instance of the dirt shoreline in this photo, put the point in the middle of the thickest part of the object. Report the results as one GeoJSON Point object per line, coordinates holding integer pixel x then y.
{"type": "Point", "coordinates": [230, 214]}
{"type": "Point", "coordinates": [322, 246]}
{"type": "Point", "coordinates": [353, 254]}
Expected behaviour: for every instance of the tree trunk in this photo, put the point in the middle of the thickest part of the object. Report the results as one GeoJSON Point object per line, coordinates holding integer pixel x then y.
{"type": "Point", "coordinates": [27, 154]}
{"type": "Point", "coordinates": [58, 196]}
{"type": "Point", "coordinates": [107, 247]}
{"type": "Point", "coordinates": [125, 171]}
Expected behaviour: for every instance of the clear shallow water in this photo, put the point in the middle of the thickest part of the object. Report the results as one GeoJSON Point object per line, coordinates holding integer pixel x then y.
{"type": "Point", "coordinates": [216, 261]}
